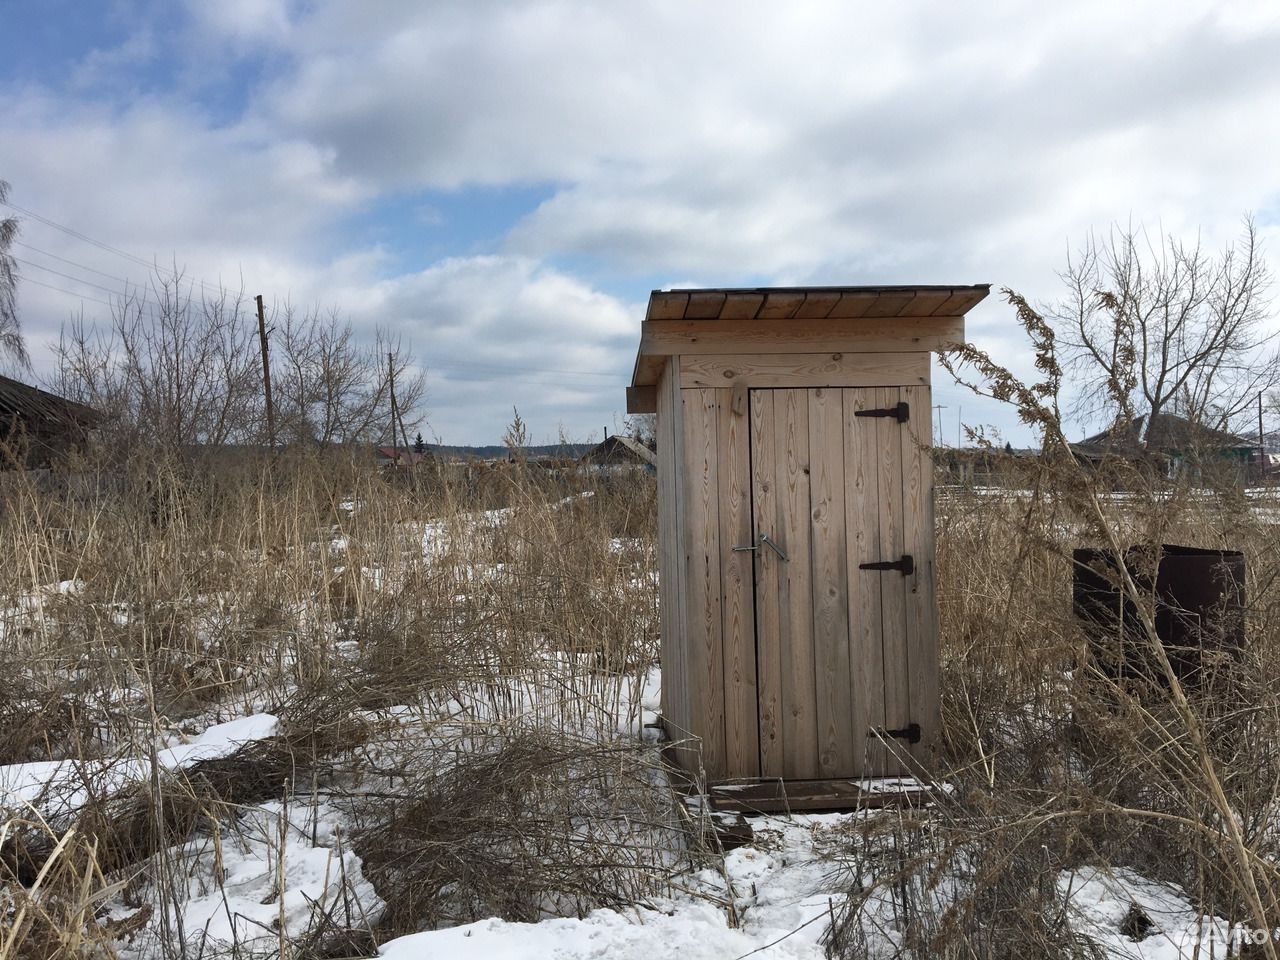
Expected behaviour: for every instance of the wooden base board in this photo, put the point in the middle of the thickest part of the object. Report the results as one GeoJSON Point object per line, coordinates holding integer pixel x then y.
{"type": "Point", "coordinates": [782, 796]}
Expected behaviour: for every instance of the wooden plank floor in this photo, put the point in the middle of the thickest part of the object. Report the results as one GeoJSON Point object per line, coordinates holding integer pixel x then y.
{"type": "Point", "coordinates": [780, 796]}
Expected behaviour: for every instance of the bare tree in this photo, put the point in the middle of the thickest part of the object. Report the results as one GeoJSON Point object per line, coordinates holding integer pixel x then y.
{"type": "Point", "coordinates": [332, 389]}
{"type": "Point", "coordinates": [170, 369]}
{"type": "Point", "coordinates": [176, 369]}
{"type": "Point", "coordinates": [643, 427]}
{"type": "Point", "coordinates": [1155, 325]}
{"type": "Point", "coordinates": [11, 341]}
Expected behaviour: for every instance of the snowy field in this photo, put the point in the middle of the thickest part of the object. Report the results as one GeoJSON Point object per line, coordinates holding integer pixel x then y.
{"type": "Point", "coordinates": [282, 873]}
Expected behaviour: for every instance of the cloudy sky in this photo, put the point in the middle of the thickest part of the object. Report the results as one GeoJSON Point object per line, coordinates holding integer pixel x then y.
{"type": "Point", "coordinates": [503, 182]}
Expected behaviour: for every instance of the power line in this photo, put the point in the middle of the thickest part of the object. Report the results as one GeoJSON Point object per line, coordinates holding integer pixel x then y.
{"type": "Point", "coordinates": [522, 374]}
{"type": "Point", "coordinates": [70, 293]}
{"type": "Point", "coordinates": [140, 304]}
{"type": "Point", "coordinates": [67, 276]}
{"type": "Point", "coordinates": [528, 374]}
{"type": "Point", "coordinates": [73, 263]}
{"type": "Point", "coordinates": [102, 245]}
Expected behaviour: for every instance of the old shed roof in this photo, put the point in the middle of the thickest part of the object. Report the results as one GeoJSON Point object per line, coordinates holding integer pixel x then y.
{"type": "Point", "coordinates": [40, 409]}
{"type": "Point", "coordinates": [814, 303]}
{"type": "Point", "coordinates": [796, 320]}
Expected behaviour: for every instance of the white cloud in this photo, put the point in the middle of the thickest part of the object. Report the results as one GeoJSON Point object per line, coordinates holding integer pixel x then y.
{"type": "Point", "coordinates": [496, 331]}
{"type": "Point", "coordinates": [726, 143]}
{"type": "Point", "coordinates": [244, 21]}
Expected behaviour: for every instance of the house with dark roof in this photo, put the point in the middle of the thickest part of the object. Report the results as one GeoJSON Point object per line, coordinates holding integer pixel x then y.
{"type": "Point", "coordinates": [37, 425]}
{"type": "Point", "coordinates": [619, 452]}
{"type": "Point", "coordinates": [1178, 446]}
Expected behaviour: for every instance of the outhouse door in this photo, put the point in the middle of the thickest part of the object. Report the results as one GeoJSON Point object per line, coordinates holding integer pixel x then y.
{"type": "Point", "coordinates": [843, 523]}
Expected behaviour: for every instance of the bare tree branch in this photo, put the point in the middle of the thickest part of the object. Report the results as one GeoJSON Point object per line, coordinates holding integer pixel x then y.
{"type": "Point", "coordinates": [1156, 325]}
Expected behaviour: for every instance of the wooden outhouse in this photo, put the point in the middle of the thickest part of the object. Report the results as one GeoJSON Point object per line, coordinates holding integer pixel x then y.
{"type": "Point", "coordinates": [799, 622]}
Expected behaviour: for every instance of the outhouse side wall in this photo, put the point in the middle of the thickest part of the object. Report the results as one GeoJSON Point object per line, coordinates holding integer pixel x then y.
{"type": "Point", "coordinates": [675, 672]}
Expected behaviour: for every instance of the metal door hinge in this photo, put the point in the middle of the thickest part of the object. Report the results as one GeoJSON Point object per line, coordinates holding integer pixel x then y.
{"type": "Point", "coordinates": [907, 565]}
{"type": "Point", "coordinates": [909, 733]}
{"type": "Point", "coordinates": [901, 412]}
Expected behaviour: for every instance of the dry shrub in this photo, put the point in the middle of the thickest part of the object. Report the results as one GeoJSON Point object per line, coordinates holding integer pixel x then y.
{"type": "Point", "coordinates": [1057, 759]}
{"type": "Point", "coordinates": [55, 916]}
{"type": "Point", "coordinates": [521, 825]}
{"type": "Point", "coordinates": [347, 601]}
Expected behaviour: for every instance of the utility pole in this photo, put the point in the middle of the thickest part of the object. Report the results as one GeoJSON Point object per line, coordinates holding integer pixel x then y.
{"type": "Point", "coordinates": [959, 427]}
{"type": "Point", "coordinates": [391, 380]}
{"type": "Point", "coordinates": [939, 408]}
{"type": "Point", "coordinates": [266, 373]}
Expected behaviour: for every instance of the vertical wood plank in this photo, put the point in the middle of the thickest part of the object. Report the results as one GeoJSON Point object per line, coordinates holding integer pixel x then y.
{"type": "Point", "coordinates": [675, 711]}
{"type": "Point", "coordinates": [700, 503]}
{"type": "Point", "coordinates": [799, 695]}
{"type": "Point", "coordinates": [918, 535]}
{"type": "Point", "coordinates": [764, 496]}
{"type": "Point", "coordinates": [862, 519]}
{"type": "Point", "coordinates": [737, 583]}
{"type": "Point", "coordinates": [830, 586]}
{"type": "Point", "coordinates": [893, 585]}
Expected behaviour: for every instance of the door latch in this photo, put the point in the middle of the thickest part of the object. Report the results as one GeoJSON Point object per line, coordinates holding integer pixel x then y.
{"type": "Point", "coordinates": [901, 412]}
{"type": "Point", "coordinates": [909, 733]}
{"type": "Point", "coordinates": [766, 541]}
{"type": "Point", "coordinates": [907, 565]}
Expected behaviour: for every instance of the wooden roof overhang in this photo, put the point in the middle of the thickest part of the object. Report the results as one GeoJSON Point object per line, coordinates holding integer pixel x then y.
{"type": "Point", "coordinates": [795, 320]}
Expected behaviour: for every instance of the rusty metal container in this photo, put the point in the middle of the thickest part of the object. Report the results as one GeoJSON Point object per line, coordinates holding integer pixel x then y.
{"type": "Point", "coordinates": [1199, 609]}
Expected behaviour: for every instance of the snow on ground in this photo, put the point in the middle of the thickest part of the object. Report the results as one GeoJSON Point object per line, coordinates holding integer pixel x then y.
{"type": "Point", "coordinates": [59, 787]}
{"type": "Point", "coordinates": [1101, 900]}
{"type": "Point", "coordinates": [281, 868]}
{"type": "Point", "coordinates": [275, 869]}
{"type": "Point", "coordinates": [782, 890]}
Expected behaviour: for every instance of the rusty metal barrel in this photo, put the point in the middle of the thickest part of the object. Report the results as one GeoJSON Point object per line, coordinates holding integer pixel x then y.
{"type": "Point", "coordinates": [1199, 610]}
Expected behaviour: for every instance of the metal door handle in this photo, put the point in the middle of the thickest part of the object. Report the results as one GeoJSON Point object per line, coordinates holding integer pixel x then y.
{"type": "Point", "coordinates": [764, 538]}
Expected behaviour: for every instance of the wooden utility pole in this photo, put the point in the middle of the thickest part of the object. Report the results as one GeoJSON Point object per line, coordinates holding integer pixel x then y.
{"type": "Point", "coordinates": [391, 380]}
{"type": "Point", "coordinates": [266, 374]}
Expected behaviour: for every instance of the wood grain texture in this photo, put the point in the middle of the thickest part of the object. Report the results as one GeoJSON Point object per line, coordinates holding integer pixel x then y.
{"type": "Point", "coordinates": [922, 607]}
{"type": "Point", "coordinates": [704, 303]}
{"type": "Point", "coordinates": [855, 303]}
{"type": "Point", "coordinates": [818, 303]}
{"type": "Point", "coordinates": [925, 303]}
{"type": "Point", "coordinates": [780, 304]}
{"type": "Point", "coordinates": [764, 495]}
{"type": "Point", "coordinates": [800, 335]}
{"type": "Point", "coordinates": [667, 305]}
{"type": "Point", "coordinates": [830, 587]}
{"type": "Point", "coordinates": [804, 370]}
{"type": "Point", "coordinates": [737, 585]}
{"type": "Point", "coordinates": [893, 585]}
{"type": "Point", "coordinates": [700, 502]}
{"type": "Point", "coordinates": [866, 637]}
{"type": "Point", "coordinates": [675, 710]}
{"type": "Point", "coordinates": [774, 796]}
{"type": "Point", "coordinates": [799, 695]}
{"type": "Point", "coordinates": [741, 306]}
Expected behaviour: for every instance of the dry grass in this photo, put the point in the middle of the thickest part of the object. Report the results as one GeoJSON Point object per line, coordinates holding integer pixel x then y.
{"type": "Point", "coordinates": [415, 634]}
{"type": "Point", "coordinates": [455, 660]}
{"type": "Point", "coordinates": [1057, 761]}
